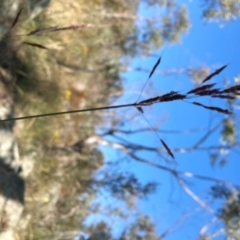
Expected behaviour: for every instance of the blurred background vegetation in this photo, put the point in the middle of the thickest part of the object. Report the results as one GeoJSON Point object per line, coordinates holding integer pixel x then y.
{"type": "Point", "coordinates": [80, 67]}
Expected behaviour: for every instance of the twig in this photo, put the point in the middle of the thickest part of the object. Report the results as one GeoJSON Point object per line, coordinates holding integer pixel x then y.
{"type": "Point", "coordinates": [194, 196]}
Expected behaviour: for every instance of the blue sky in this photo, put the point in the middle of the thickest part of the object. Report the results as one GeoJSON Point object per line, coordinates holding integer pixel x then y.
{"type": "Point", "coordinates": [210, 44]}
{"type": "Point", "coordinates": [213, 45]}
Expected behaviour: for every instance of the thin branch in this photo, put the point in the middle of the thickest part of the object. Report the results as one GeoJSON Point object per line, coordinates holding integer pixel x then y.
{"type": "Point", "coordinates": [173, 227]}
{"type": "Point", "coordinates": [123, 143]}
{"type": "Point", "coordinates": [126, 149]}
{"type": "Point", "coordinates": [206, 226]}
{"type": "Point", "coordinates": [207, 135]}
{"type": "Point", "coordinates": [194, 196]}
{"type": "Point", "coordinates": [178, 173]}
{"type": "Point", "coordinates": [140, 130]}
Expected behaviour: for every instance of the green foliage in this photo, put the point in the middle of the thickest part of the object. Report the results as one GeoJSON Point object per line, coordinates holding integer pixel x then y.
{"type": "Point", "coordinates": [229, 131]}
{"type": "Point", "coordinates": [142, 229]}
{"type": "Point", "coordinates": [153, 33]}
{"type": "Point", "coordinates": [175, 24]}
{"type": "Point", "coordinates": [220, 10]}
{"type": "Point", "coordinates": [230, 211]}
{"type": "Point", "coordinates": [123, 185]}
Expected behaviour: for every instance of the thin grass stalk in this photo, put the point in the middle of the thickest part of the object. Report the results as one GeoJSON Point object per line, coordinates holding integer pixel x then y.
{"type": "Point", "coordinates": [69, 112]}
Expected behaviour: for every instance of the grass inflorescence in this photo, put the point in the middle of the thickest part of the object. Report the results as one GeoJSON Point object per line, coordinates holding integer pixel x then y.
{"type": "Point", "coordinates": [199, 91]}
